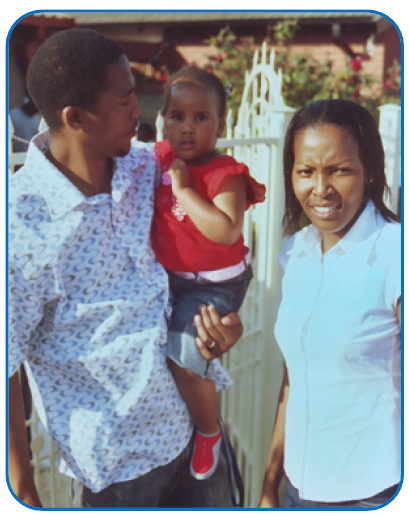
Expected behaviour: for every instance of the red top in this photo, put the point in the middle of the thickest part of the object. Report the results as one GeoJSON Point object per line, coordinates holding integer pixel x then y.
{"type": "Point", "coordinates": [178, 244]}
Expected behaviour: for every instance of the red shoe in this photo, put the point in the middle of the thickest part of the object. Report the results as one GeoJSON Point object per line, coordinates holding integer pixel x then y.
{"type": "Point", "coordinates": [205, 455]}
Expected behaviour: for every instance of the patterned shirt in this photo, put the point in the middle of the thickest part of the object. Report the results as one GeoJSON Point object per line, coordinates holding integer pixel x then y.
{"type": "Point", "coordinates": [87, 316]}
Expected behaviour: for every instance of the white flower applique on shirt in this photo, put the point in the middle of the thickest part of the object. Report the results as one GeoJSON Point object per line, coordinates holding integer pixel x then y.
{"type": "Point", "coordinates": [177, 209]}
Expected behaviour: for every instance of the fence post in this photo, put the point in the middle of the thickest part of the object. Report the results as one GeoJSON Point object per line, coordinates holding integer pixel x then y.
{"type": "Point", "coordinates": [272, 364]}
{"type": "Point", "coordinates": [390, 130]}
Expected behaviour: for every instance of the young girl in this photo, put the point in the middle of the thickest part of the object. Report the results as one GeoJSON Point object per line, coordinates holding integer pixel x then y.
{"type": "Point", "coordinates": [199, 212]}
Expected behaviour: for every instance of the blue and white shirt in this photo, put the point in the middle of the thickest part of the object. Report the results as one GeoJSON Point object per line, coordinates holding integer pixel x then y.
{"type": "Point", "coordinates": [87, 305]}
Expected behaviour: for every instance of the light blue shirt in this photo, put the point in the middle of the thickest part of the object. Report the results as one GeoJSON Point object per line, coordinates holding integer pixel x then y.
{"type": "Point", "coordinates": [338, 330]}
{"type": "Point", "coordinates": [87, 305]}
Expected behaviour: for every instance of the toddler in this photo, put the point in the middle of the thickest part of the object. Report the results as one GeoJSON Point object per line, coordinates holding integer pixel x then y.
{"type": "Point", "coordinates": [199, 212]}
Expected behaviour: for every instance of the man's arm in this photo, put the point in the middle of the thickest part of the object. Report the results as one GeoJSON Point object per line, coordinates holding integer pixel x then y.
{"type": "Point", "coordinates": [20, 470]}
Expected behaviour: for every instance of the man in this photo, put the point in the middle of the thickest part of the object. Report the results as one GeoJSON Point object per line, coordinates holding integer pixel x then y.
{"type": "Point", "coordinates": [88, 300]}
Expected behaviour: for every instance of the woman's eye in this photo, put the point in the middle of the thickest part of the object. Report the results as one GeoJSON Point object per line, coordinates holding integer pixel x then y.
{"type": "Point", "coordinates": [341, 171]}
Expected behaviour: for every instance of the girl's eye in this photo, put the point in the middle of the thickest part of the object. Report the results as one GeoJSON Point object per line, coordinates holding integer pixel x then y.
{"type": "Point", "coordinates": [176, 116]}
{"type": "Point", "coordinates": [200, 118]}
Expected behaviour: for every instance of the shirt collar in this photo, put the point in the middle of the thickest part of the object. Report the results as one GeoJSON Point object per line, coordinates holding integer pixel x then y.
{"type": "Point", "coordinates": [309, 241]}
{"type": "Point", "coordinates": [59, 193]}
{"type": "Point", "coordinates": [364, 228]}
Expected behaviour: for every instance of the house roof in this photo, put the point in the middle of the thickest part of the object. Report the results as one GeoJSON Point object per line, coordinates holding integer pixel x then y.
{"type": "Point", "coordinates": [155, 17]}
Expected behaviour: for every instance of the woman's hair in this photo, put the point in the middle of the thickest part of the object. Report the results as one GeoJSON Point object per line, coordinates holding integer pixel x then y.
{"type": "Point", "coordinates": [192, 74]}
{"type": "Point", "coordinates": [353, 118]}
{"type": "Point", "coordinates": [69, 69]}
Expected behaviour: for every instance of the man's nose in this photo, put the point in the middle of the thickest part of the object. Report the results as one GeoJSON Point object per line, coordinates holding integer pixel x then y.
{"type": "Point", "coordinates": [136, 108]}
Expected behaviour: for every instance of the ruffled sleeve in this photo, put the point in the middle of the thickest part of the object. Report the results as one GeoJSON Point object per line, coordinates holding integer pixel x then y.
{"type": "Point", "coordinates": [233, 169]}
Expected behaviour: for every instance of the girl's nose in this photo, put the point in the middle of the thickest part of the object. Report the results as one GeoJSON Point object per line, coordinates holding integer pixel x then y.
{"type": "Point", "coordinates": [187, 126]}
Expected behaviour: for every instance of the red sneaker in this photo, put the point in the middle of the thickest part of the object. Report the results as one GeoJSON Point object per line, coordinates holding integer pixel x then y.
{"type": "Point", "coordinates": [205, 455]}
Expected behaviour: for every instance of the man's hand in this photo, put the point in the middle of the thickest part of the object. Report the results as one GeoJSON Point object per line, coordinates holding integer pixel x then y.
{"type": "Point", "coordinates": [179, 174]}
{"type": "Point", "coordinates": [20, 470]}
{"type": "Point", "coordinates": [216, 335]}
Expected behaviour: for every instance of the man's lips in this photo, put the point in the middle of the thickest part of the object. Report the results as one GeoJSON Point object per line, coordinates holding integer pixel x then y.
{"type": "Point", "coordinates": [134, 130]}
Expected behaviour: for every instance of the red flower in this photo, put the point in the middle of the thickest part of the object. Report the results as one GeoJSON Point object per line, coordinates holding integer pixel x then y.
{"type": "Point", "coordinates": [164, 78]}
{"type": "Point", "coordinates": [355, 95]}
{"type": "Point", "coordinates": [356, 65]}
{"type": "Point", "coordinates": [210, 71]}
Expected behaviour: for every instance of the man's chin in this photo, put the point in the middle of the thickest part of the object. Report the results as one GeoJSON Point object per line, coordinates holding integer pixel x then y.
{"type": "Point", "coordinates": [122, 151]}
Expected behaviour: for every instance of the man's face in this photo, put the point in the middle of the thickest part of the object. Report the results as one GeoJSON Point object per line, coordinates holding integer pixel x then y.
{"type": "Point", "coordinates": [113, 121]}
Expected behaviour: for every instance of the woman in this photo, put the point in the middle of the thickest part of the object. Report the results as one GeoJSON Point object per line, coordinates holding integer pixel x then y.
{"type": "Point", "coordinates": [337, 429]}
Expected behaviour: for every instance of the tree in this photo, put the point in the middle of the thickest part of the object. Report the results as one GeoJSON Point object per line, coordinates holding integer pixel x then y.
{"type": "Point", "coordinates": [304, 77]}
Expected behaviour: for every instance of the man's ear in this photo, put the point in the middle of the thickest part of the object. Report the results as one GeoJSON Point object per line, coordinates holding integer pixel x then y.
{"type": "Point", "coordinates": [71, 117]}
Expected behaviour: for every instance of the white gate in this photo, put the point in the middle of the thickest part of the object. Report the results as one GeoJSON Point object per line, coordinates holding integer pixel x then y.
{"type": "Point", "coordinates": [255, 363]}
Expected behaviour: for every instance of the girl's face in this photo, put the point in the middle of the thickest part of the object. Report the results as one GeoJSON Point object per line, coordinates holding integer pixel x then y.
{"type": "Point", "coordinates": [328, 180]}
{"type": "Point", "coordinates": [192, 123]}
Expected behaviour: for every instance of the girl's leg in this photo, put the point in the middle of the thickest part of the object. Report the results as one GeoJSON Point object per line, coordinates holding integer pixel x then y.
{"type": "Point", "coordinates": [200, 396]}
{"type": "Point", "coordinates": [201, 399]}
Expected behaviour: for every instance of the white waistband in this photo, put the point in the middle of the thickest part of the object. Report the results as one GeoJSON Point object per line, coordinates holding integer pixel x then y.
{"type": "Point", "coordinates": [218, 275]}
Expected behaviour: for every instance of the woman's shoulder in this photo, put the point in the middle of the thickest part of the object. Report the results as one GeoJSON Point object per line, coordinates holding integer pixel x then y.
{"type": "Point", "coordinates": [390, 232]}
{"type": "Point", "coordinates": [298, 241]}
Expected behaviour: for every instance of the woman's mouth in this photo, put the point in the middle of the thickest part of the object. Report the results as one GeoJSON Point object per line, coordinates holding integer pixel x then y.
{"type": "Point", "coordinates": [326, 212]}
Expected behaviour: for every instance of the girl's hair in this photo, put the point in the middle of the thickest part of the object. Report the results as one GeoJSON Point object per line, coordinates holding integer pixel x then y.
{"type": "Point", "coordinates": [353, 118]}
{"type": "Point", "coordinates": [192, 74]}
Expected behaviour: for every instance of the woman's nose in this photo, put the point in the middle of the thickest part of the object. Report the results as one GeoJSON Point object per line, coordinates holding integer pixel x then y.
{"type": "Point", "coordinates": [322, 185]}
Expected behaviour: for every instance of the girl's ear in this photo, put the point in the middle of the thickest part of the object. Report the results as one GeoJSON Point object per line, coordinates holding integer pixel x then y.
{"type": "Point", "coordinates": [222, 125]}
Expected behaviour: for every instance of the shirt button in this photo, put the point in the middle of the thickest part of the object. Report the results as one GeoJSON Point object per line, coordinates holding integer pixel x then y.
{"type": "Point", "coordinates": [116, 196]}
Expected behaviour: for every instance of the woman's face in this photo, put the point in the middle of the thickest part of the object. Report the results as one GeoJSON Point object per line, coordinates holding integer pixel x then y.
{"type": "Point", "coordinates": [328, 180]}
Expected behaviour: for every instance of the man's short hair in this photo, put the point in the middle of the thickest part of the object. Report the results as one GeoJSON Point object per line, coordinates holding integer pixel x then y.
{"type": "Point", "coordinates": [69, 69]}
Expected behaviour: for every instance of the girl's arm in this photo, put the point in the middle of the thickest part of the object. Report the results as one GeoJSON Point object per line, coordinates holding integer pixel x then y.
{"type": "Point", "coordinates": [275, 463]}
{"type": "Point", "coordinates": [220, 221]}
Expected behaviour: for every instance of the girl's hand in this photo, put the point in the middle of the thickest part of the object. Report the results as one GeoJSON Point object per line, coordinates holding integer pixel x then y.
{"type": "Point", "coordinates": [179, 175]}
{"type": "Point", "coordinates": [216, 335]}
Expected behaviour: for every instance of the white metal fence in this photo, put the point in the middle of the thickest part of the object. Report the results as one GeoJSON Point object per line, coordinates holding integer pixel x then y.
{"type": "Point", "coordinates": [255, 363]}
